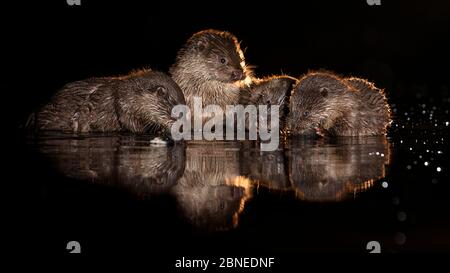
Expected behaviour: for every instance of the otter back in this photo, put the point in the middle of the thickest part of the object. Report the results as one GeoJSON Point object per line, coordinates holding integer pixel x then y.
{"type": "Point", "coordinates": [139, 102]}
{"type": "Point", "coordinates": [371, 95]}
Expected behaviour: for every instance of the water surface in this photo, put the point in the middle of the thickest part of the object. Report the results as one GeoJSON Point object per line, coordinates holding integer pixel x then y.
{"type": "Point", "coordinates": [121, 193]}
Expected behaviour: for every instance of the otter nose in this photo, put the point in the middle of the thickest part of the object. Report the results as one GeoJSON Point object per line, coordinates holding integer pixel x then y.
{"type": "Point", "coordinates": [237, 75]}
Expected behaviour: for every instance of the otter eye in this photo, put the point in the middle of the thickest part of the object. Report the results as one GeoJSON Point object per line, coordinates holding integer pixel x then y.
{"type": "Point", "coordinates": [222, 60]}
{"type": "Point", "coordinates": [268, 102]}
{"type": "Point", "coordinates": [306, 113]}
{"type": "Point", "coordinates": [160, 90]}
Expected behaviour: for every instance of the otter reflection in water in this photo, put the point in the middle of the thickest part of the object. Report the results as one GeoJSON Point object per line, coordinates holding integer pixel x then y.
{"type": "Point", "coordinates": [212, 192]}
{"type": "Point", "coordinates": [321, 171]}
{"type": "Point", "coordinates": [265, 169]}
{"type": "Point", "coordinates": [126, 162]}
{"type": "Point", "coordinates": [204, 177]}
{"type": "Point", "coordinates": [213, 181]}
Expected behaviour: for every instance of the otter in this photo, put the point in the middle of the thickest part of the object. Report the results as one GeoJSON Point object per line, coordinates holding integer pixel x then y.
{"type": "Point", "coordinates": [273, 90]}
{"type": "Point", "coordinates": [269, 91]}
{"type": "Point", "coordinates": [211, 65]}
{"type": "Point", "coordinates": [139, 102]}
{"type": "Point", "coordinates": [325, 104]}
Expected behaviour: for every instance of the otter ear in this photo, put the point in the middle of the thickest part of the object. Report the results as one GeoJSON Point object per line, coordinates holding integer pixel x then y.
{"type": "Point", "coordinates": [159, 90]}
{"type": "Point", "coordinates": [323, 91]}
{"type": "Point", "coordinates": [201, 45]}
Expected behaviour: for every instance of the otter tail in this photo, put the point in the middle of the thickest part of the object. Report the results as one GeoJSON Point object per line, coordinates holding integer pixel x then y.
{"type": "Point", "coordinates": [371, 95]}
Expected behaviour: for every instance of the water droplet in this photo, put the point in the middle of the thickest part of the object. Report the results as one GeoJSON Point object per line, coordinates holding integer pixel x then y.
{"type": "Point", "coordinates": [396, 201]}
{"type": "Point", "coordinates": [401, 216]}
{"type": "Point", "coordinates": [438, 169]}
{"type": "Point", "coordinates": [425, 163]}
{"type": "Point", "coordinates": [408, 167]}
{"type": "Point", "coordinates": [384, 184]}
{"type": "Point", "coordinates": [400, 238]}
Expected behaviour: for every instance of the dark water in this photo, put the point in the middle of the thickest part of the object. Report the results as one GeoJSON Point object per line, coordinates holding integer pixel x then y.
{"type": "Point", "coordinates": [213, 181]}
{"type": "Point", "coordinates": [121, 194]}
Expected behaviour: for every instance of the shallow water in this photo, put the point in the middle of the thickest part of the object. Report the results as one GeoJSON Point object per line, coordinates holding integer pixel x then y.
{"type": "Point", "coordinates": [212, 181]}
{"type": "Point", "coordinates": [120, 193]}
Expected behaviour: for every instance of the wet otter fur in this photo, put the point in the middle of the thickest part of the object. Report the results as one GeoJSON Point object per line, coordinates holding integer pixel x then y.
{"type": "Point", "coordinates": [139, 102]}
{"type": "Point", "coordinates": [273, 90]}
{"type": "Point", "coordinates": [269, 91]}
{"type": "Point", "coordinates": [327, 104]}
{"type": "Point", "coordinates": [211, 65]}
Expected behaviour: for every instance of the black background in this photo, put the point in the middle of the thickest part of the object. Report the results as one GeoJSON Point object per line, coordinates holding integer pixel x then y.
{"type": "Point", "coordinates": [401, 46]}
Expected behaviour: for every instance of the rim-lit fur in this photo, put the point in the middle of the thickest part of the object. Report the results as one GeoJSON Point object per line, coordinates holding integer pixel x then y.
{"type": "Point", "coordinates": [139, 102]}
{"type": "Point", "coordinates": [211, 65]}
{"type": "Point", "coordinates": [272, 90]}
{"type": "Point", "coordinates": [325, 103]}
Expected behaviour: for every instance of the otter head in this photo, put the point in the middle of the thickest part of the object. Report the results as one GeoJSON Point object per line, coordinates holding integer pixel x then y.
{"type": "Point", "coordinates": [272, 91]}
{"type": "Point", "coordinates": [316, 103]}
{"type": "Point", "coordinates": [157, 95]}
{"type": "Point", "coordinates": [213, 55]}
